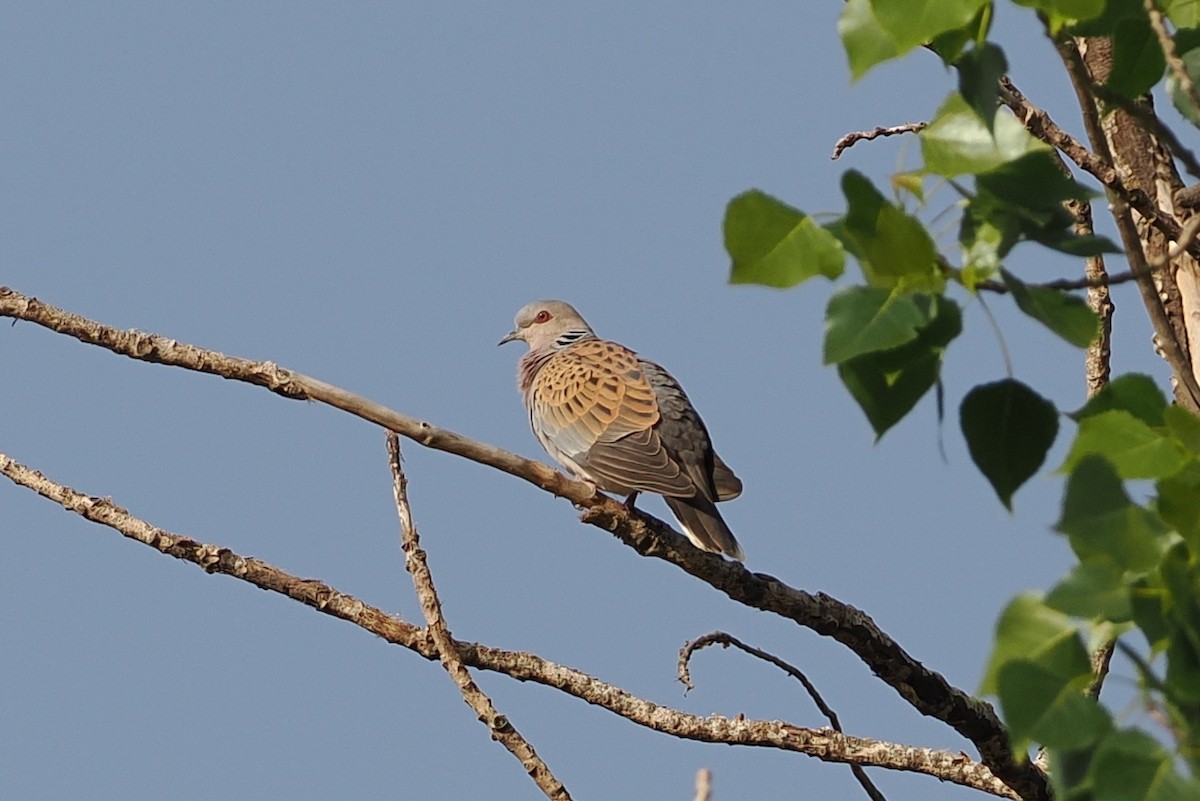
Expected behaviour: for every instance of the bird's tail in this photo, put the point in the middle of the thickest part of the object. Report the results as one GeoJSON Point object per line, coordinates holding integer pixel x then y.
{"type": "Point", "coordinates": [704, 526]}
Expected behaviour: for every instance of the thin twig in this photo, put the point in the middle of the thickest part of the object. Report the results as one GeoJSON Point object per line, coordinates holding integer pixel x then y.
{"type": "Point", "coordinates": [999, 332]}
{"type": "Point", "coordinates": [1187, 237]}
{"type": "Point", "coordinates": [417, 565]}
{"type": "Point", "coordinates": [1101, 658]}
{"type": "Point", "coordinates": [925, 689]}
{"type": "Point", "coordinates": [1068, 284]}
{"type": "Point", "coordinates": [520, 665]}
{"type": "Point", "coordinates": [852, 138]}
{"type": "Point", "coordinates": [725, 640]}
{"type": "Point", "coordinates": [1097, 360]}
{"type": "Point", "coordinates": [703, 785]}
{"type": "Point", "coordinates": [1174, 62]}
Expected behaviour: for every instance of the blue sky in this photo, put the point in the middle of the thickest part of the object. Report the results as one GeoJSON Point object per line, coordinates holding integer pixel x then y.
{"type": "Point", "coordinates": [366, 193]}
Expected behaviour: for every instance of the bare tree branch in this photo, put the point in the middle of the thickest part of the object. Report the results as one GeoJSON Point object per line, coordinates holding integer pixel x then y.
{"type": "Point", "coordinates": [823, 744]}
{"type": "Point", "coordinates": [852, 138]}
{"type": "Point", "coordinates": [726, 640]}
{"type": "Point", "coordinates": [417, 565]}
{"type": "Point", "coordinates": [926, 690]}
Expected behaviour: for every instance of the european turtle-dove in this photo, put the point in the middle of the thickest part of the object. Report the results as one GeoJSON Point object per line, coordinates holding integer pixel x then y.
{"type": "Point", "coordinates": [620, 422]}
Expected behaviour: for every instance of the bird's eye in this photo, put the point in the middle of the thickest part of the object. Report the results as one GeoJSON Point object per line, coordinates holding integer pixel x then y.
{"type": "Point", "coordinates": [542, 316]}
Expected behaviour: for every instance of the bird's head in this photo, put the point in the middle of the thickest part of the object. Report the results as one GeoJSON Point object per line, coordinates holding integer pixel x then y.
{"type": "Point", "coordinates": [540, 324]}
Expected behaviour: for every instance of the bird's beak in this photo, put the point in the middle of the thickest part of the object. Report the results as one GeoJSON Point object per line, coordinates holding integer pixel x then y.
{"type": "Point", "coordinates": [510, 337]}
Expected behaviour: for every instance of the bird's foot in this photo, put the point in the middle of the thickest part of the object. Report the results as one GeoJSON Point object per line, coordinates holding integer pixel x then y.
{"type": "Point", "coordinates": [631, 499]}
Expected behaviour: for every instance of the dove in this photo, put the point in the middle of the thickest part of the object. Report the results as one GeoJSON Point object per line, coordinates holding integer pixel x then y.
{"type": "Point", "coordinates": [620, 422]}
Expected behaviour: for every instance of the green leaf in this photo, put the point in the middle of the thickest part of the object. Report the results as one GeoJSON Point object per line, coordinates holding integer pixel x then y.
{"type": "Point", "coordinates": [776, 245]}
{"type": "Point", "coordinates": [1183, 671]}
{"type": "Point", "coordinates": [1063, 313]}
{"type": "Point", "coordinates": [1037, 668]}
{"type": "Point", "coordinates": [865, 41]}
{"type": "Point", "coordinates": [1181, 578]}
{"type": "Point", "coordinates": [911, 182]}
{"type": "Point", "coordinates": [1179, 505]}
{"type": "Point", "coordinates": [979, 72]}
{"type": "Point", "coordinates": [1041, 705]}
{"type": "Point", "coordinates": [1115, 12]}
{"type": "Point", "coordinates": [957, 142]}
{"type": "Point", "coordinates": [949, 45]}
{"type": "Point", "coordinates": [1068, 773]}
{"type": "Point", "coordinates": [1183, 13]}
{"type": "Point", "coordinates": [893, 247]}
{"type": "Point", "coordinates": [984, 243]}
{"type": "Point", "coordinates": [1138, 60]}
{"type": "Point", "coordinates": [910, 23]}
{"type": "Point", "coordinates": [1094, 590]}
{"type": "Point", "coordinates": [1073, 244]}
{"type": "Point", "coordinates": [863, 319]}
{"type": "Point", "coordinates": [1134, 448]}
{"type": "Point", "coordinates": [1149, 599]}
{"type": "Point", "coordinates": [1034, 184]}
{"type": "Point", "coordinates": [1101, 521]}
{"type": "Point", "coordinates": [1023, 199]}
{"type": "Point", "coordinates": [1009, 428]}
{"type": "Point", "coordinates": [1184, 427]}
{"type": "Point", "coordinates": [1184, 104]}
{"type": "Point", "coordinates": [1066, 10]}
{"type": "Point", "coordinates": [1028, 629]}
{"type": "Point", "coordinates": [1129, 765]}
{"type": "Point", "coordinates": [1134, 392]}
{"type": "Point", "coordinates": [888, 383]}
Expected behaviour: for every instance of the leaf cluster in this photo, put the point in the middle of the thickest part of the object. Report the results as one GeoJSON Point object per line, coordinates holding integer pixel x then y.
{"type": "Point", "coordinates": [887, 334]}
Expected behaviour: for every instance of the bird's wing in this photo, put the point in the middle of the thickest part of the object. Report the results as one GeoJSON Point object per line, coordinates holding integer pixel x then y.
{"type": "Point", "coordinates": [685, 436]}
{"type": "Point", "coordinates": [593, 402]}
{"type": "Point", "coordinates": [728, 485]}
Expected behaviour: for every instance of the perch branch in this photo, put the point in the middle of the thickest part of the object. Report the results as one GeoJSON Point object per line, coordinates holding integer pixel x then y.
{"type": "Point", "coordinates": [925, 689]}
{"type": "Point", "coordinates": [726, 640]}
{"type": "Point", "coordinates": [417, 565]}
{"type": "Point", "coordinates": [823, 744]}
